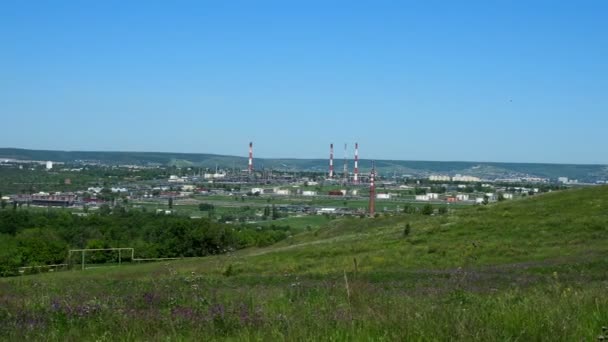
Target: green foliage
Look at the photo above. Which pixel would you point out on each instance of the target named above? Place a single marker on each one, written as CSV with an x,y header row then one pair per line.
x,y
275,212
529,270
408,208
427,209
407,230
420,191
154,236
206,207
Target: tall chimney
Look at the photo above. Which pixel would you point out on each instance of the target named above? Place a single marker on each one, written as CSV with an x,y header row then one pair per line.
x,y
250,157
372,191
331,160
356,174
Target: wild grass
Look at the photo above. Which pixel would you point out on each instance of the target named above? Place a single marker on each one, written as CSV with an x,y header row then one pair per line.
x,y
526,270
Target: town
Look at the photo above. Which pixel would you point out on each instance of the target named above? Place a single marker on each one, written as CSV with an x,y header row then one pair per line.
x,y
244,194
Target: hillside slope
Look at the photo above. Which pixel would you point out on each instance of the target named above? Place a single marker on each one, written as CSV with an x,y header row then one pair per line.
x,y
552,226
533,269
481,169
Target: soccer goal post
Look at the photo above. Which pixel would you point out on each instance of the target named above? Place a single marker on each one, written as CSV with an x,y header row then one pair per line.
x,y
128,251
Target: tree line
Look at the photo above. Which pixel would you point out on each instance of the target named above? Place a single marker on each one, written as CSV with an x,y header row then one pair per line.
x,y
31,238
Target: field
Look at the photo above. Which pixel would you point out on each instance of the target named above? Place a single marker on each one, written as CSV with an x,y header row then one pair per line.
x,y
532,269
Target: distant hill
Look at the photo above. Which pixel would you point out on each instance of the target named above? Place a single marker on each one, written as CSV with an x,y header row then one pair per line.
x,y
584,173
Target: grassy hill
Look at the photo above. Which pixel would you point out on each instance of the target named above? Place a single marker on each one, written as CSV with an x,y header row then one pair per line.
x,y
534,269
481,169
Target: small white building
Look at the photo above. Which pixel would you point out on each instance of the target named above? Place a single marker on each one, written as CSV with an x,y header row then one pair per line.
x,y
282,192
383,196
439,178
462,197
214,175
257,190
94,190
326,211
507,196
309,193
461,178
422,198
188,187
176,179
433,196
49,165
479,200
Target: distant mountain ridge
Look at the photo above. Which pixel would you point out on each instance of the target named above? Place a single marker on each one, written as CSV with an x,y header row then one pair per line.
x,y
491,170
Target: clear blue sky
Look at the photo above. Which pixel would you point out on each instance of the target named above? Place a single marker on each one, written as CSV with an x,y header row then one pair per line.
x,y
427,80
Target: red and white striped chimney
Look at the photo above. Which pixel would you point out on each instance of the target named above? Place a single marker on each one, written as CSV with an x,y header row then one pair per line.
x,y
372,191
250,157
331,160
356,176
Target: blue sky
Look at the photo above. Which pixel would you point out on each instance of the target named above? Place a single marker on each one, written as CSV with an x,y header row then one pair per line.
x,y
519,81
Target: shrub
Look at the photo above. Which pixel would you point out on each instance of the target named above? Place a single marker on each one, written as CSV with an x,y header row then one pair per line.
x,y
407,229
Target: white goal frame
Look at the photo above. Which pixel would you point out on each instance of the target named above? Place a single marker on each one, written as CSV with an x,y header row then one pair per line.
x,y
85,250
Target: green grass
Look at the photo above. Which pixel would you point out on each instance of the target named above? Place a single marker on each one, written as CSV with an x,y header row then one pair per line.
x,y
533,269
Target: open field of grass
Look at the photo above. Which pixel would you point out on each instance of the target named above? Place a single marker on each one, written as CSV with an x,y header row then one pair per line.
x,y
532,269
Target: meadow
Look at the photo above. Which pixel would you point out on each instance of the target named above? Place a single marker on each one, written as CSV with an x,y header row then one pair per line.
x,y
532,269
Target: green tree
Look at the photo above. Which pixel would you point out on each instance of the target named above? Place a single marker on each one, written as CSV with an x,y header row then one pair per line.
x,y
275,212
427,209
104,209
205,207
10,256
407,229
408,209
170,202
420,191
266,212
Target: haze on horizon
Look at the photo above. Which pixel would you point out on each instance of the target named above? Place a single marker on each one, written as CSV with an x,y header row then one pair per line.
x,y
503,81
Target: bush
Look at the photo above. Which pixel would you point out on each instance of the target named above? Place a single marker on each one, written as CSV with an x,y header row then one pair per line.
x,y
427,210
407,229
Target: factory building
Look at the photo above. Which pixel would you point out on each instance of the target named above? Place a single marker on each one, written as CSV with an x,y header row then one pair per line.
x,y
467,179
462,197
439,178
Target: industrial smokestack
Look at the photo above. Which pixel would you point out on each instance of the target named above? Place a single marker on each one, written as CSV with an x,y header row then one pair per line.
x,y
331,160
250,157
345,171
372,191
356,175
